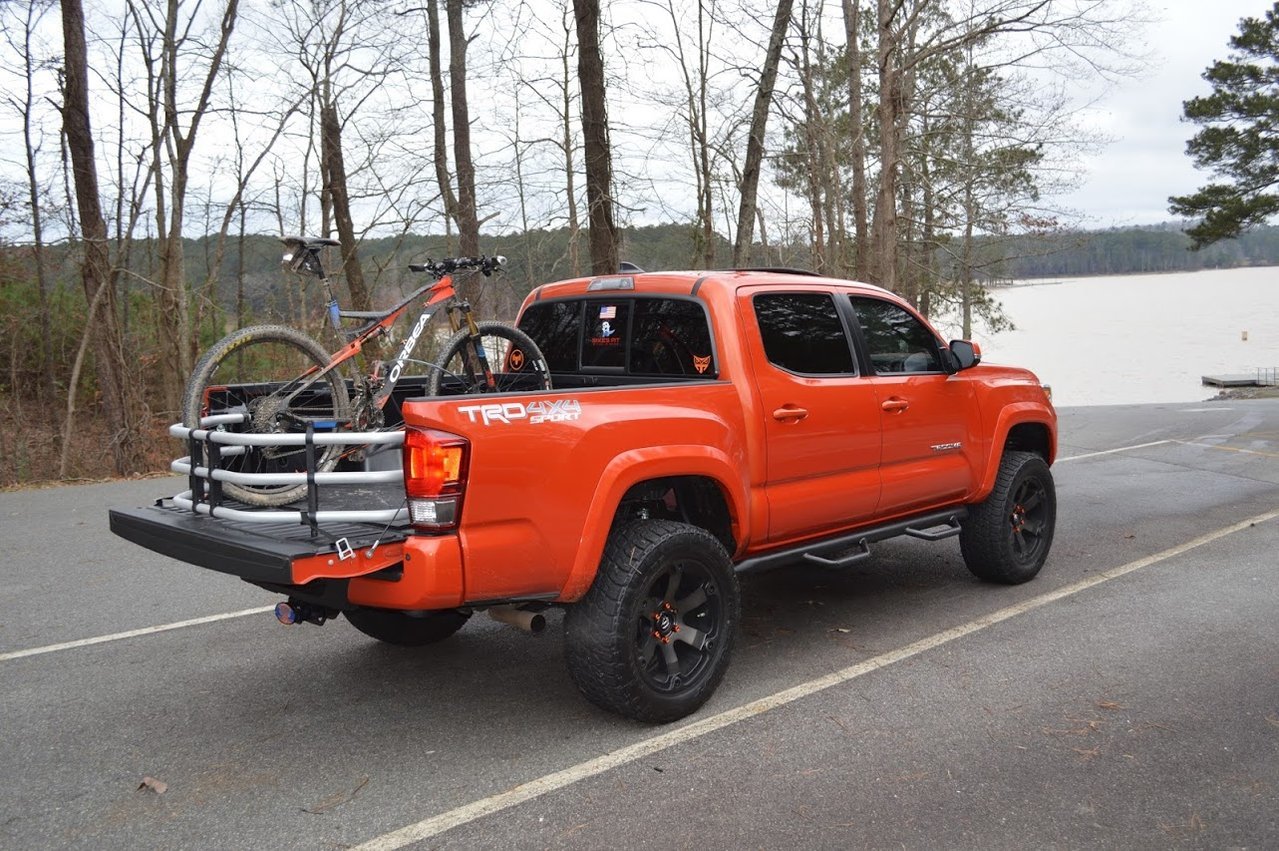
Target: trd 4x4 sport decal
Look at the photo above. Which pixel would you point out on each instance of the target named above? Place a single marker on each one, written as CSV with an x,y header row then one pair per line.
x,y
550,411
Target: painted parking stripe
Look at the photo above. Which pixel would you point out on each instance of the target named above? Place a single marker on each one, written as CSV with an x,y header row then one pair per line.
x,y
1113,451
438,824
133,633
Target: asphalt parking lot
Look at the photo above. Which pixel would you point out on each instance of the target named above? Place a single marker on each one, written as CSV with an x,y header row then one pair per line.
x,y
1128,697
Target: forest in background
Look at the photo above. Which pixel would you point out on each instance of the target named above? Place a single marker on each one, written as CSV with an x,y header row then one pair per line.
x,y
917,144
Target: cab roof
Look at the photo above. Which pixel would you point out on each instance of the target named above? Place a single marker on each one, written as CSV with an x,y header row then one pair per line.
x,y
690,282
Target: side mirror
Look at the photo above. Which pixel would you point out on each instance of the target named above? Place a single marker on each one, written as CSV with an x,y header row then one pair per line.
x,y
964,354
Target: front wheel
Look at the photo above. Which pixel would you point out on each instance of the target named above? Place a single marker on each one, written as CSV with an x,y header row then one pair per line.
x,y
1006,538
268,372
511,362
652,637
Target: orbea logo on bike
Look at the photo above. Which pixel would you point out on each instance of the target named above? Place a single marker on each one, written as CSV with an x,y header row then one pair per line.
x,y
408,347
554,411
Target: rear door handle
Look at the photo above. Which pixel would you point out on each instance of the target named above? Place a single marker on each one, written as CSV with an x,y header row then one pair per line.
x,y
789,413
895,405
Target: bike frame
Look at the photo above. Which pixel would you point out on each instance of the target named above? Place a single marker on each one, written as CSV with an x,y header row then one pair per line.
x,y
439,294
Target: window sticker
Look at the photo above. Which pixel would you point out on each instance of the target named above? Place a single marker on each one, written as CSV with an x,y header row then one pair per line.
x,y
608,311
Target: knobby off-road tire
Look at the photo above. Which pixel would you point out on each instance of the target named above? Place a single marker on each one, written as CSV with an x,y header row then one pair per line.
x,y
405,630
652,637
269,354
516,361
1006,538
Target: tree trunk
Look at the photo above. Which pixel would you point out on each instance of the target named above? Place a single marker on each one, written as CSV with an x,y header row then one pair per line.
x,y
599,166
706,201
468,228
437,111
47,388
749,188
335,171
815,170
179,143
852,28
570,178
468,225
119,398
884,268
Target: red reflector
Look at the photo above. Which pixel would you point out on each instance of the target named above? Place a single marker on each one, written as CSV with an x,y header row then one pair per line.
x,y
434,463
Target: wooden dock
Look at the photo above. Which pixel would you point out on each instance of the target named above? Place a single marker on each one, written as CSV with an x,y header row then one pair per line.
x,y
1258,378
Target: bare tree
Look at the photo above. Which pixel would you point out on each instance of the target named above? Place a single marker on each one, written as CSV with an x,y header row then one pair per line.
x,y
26,108
175,124
438,126
857,129
599,162
749,184
121,406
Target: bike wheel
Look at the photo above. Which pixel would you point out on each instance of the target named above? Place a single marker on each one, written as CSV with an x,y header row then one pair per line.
x,y
263,371
515,360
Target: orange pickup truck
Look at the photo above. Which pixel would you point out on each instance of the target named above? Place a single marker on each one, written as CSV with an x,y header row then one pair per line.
x,y
701,425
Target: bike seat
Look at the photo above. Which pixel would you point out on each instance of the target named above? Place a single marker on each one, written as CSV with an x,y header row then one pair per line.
x,y
308,243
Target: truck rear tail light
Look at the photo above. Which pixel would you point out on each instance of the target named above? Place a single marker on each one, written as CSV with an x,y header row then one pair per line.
x,y
435,466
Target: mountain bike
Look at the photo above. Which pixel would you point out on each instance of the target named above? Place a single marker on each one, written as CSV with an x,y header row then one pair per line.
x,y
282,381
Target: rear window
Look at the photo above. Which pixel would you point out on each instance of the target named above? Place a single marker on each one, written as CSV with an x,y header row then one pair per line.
x,y
802,333
634,336
555,327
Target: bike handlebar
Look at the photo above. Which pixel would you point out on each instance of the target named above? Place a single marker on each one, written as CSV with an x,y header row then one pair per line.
x,y
440,268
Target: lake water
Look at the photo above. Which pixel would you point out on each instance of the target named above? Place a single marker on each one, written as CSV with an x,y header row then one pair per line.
x,y
1139,338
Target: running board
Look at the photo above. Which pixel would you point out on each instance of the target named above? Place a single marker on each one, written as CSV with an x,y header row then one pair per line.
x,y
934,526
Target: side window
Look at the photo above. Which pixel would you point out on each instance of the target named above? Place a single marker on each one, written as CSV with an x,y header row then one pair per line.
x,y
895,340
555,327
802,333
670,337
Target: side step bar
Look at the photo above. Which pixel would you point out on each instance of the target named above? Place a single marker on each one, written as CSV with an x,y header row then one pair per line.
x,y
934,526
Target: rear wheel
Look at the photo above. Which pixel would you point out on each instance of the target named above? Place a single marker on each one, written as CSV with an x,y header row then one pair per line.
x,y
652,637
405,629
1006,538
264,371
517,364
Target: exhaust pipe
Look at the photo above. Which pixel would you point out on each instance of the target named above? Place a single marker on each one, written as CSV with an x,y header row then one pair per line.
x,y
531,622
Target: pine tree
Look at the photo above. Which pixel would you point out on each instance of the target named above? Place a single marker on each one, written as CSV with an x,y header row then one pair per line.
x,y
1239,141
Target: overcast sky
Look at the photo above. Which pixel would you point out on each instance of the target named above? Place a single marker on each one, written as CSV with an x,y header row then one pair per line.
x,y
1129,182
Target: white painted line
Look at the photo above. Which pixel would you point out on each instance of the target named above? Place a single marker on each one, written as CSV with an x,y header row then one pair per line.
x,y
436,825
133,633
1113,451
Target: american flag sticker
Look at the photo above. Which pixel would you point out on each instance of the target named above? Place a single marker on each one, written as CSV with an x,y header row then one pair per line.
x,y
608,312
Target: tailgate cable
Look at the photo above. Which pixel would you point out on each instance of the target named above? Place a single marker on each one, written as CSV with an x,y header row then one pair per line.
x,y
377,542
345,551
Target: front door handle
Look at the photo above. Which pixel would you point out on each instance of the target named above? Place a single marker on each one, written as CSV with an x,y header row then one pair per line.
x,y
895,405
789,413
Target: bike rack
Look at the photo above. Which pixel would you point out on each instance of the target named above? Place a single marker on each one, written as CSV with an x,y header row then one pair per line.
x,y
208,446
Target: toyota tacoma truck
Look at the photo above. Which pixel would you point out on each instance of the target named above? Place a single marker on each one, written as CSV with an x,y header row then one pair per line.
x,y
701,426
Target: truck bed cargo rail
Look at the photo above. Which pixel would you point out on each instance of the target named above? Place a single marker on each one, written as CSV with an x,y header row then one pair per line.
x,y
208,446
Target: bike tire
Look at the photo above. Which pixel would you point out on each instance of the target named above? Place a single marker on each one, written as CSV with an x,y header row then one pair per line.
x,y
518,364
253,367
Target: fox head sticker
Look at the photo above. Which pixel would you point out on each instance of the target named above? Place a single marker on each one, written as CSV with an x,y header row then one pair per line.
x,y
701,364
